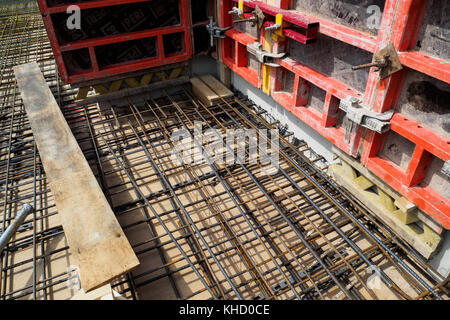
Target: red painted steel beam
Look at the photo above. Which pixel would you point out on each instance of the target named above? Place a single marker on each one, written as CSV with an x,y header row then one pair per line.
x,y
313,118
351,36
400,25
330,112
418,166
127,67
297,36
240,37
238,62
310,35
324,122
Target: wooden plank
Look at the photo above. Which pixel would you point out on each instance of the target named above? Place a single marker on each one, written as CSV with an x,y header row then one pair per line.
x,y
210,92
95,237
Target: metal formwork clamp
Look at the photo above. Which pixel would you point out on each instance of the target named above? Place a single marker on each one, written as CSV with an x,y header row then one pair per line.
x,y
264,57
360,114
215,31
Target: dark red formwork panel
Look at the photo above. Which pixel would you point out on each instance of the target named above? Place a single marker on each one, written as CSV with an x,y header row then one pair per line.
x,y
116,36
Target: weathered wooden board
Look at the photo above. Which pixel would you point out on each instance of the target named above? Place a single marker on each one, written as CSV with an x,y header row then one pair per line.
x,y
211,92
95,237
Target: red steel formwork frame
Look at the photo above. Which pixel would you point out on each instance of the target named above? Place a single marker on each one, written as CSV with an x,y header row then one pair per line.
x,y
98,73
400,25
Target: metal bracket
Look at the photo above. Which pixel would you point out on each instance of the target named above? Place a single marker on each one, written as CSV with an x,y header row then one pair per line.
x,y
215,31
386,62
359,114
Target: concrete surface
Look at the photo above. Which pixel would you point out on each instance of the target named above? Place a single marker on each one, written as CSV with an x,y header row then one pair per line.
x,y
436,179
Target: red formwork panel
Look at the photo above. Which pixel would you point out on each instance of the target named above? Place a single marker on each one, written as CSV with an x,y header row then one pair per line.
x,y
235,56
117,36
400,26
234,52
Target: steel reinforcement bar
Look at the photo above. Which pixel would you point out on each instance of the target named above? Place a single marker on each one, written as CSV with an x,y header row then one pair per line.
x,y
202,230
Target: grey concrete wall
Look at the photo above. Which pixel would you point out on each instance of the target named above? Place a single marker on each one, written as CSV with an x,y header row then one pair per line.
x,y
333,58
434,35
426,100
